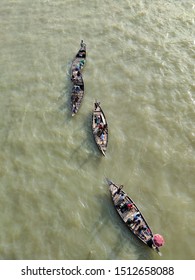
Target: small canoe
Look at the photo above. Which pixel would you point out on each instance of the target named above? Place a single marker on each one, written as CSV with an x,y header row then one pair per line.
x,y
100,128
77,79
132,217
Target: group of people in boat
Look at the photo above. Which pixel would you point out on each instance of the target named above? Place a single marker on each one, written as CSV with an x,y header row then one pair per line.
x,y
76,78
136,222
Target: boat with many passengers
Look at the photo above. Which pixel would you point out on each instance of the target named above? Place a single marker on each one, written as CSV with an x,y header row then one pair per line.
x,y
77,79
133,218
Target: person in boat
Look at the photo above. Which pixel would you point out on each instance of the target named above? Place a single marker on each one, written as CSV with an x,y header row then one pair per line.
x,y
127,206
75,75
105,126
74,109
80,64
141,231
135,222
136,217
98,119
156,241
100,126
101,129
120,199
118,190
102,137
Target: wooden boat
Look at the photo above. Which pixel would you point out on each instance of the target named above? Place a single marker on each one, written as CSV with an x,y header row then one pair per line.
x,y
127,210
100,128
77,79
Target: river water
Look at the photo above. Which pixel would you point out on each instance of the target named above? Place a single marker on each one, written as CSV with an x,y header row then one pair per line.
x,y
54,201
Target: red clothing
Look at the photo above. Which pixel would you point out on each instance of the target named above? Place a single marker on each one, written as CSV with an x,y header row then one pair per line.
x,y
130,205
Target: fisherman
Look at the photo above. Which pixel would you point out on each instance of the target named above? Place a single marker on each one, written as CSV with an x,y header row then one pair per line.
x,y
76,88
136,220
76,99
150,243
129,222
75,75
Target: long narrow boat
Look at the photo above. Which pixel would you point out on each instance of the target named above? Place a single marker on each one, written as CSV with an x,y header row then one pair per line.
x,y
100,128
133,218
77,79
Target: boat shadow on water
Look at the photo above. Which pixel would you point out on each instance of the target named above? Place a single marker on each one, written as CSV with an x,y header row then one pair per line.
x,y
108,217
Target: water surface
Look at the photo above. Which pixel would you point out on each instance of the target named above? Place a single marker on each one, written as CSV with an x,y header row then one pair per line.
x,y
54,202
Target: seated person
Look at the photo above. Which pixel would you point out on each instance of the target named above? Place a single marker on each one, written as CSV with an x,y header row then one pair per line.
x,y
102,137
150,243
126,206
141,231
136,220
98,119
120,200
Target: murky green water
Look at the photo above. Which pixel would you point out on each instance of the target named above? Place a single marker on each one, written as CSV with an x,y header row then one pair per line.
x,y
54,202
